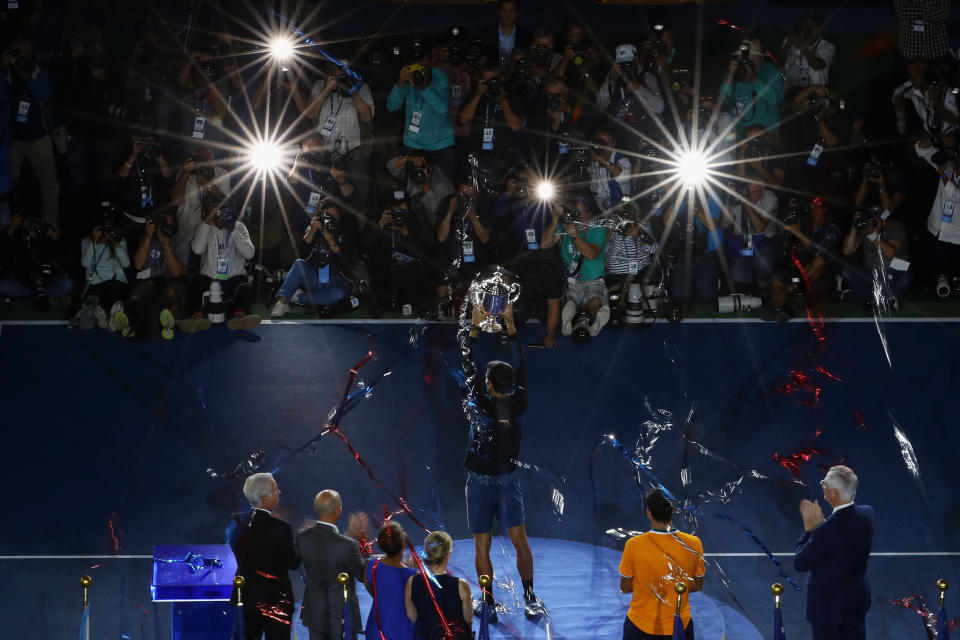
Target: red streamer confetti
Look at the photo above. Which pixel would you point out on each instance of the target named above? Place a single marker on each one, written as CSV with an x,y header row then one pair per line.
x,y
793,461
279,611
860,420
918,604
800,381
821,369
366,548
115,534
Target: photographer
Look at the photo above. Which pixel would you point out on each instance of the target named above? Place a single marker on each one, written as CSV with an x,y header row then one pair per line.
x,y
426,186
752,88
315,175
943,221
629,250
397,268
542,52
928,92
424,92
922,31
877,238
328,253
158,296
224,246
453,62
754,159
630,93
579,61
695,239
463,239
881,184
104,257
582,250
197,175
144,177
812,241
493,122
533,234
202,107
341,111
713,129
751,216
27,268
610,171
807,56
31,91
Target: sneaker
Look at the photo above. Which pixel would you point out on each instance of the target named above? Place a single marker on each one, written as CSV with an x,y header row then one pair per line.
x,y
603,317
566,317
491,611
846,293
279,310
532,605
242,322
895,303
769,314
197,323
101,317
167,322
114,310
120,322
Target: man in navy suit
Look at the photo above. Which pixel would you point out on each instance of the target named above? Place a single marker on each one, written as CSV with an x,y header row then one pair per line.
x,y
835,550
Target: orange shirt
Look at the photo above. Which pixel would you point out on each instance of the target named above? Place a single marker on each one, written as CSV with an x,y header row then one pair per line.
x,y
656,561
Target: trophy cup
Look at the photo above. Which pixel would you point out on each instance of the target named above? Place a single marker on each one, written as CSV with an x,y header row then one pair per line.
x,y
492,292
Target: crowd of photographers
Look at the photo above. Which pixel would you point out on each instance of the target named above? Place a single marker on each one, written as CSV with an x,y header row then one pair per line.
x,y
419,165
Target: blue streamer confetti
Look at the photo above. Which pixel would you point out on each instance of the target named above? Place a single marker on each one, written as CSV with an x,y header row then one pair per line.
x,y
763,547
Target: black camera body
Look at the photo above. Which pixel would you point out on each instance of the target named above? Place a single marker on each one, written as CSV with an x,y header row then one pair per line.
x,y
203,169
106,226
873,170
36,227
796,209
418,174
554,103
339,161
399,217
754,149
627,70
541,55
311,158
579,57
329,222
567,215
865,221
162,226
744,65
493,89
943,154
818,104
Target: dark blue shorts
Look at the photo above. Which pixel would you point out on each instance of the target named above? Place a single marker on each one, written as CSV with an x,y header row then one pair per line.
x,y
489,496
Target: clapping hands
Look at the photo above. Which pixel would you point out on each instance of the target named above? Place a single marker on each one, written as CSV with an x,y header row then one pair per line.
x,y
811,513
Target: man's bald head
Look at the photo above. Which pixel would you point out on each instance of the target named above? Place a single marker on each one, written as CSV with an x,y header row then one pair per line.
x,y
328,505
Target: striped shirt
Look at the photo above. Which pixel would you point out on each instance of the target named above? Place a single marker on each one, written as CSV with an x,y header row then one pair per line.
x,y
621,250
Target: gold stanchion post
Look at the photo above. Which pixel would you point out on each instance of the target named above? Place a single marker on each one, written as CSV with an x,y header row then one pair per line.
x,y
777,590
344,580
942,586
680,588
239,582
85,582
485,582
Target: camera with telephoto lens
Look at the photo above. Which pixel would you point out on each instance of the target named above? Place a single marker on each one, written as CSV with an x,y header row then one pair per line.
x,y
162,226
36,227
681,76
455,55
399,217
868,219
580,160
339,161
106,226
579,57
554,102
541,55
345,83
313,159
328,220
527,78
873,170
943,153
202,169
568,215
581,327
796,208
493,88
627,71
744,65
418,75
754,149
818,104
418,174
474,53
416,50
659,46
226,214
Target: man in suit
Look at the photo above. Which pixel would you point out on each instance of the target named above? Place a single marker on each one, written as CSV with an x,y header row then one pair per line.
x,y
507,37
264,549
835,550
326,553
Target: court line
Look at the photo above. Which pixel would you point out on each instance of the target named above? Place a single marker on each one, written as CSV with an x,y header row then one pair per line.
x,y
752,554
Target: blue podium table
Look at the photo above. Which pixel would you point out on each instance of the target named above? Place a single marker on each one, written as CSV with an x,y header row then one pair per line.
x,y
197,580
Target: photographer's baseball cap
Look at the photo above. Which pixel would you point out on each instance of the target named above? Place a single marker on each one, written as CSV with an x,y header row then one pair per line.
x,y
625,53
756,47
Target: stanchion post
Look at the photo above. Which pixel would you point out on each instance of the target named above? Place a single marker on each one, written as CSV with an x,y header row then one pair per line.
x,y
344,580
777,590
86,581
680,588
942,586
239,582
485,582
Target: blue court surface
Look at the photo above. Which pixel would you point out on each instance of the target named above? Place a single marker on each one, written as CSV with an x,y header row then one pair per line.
x,y
113,447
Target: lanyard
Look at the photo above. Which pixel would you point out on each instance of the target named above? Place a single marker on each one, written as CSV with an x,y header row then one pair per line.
x,y
418,97
222,248
339,106
93,267
200,103
626,247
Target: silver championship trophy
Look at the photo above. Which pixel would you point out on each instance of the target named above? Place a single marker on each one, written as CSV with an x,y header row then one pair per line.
x,y
492,291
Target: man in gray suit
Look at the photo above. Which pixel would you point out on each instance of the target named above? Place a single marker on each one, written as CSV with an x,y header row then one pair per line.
x,y
325,554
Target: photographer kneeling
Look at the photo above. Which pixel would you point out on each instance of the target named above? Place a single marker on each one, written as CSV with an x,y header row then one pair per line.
x,y
463,238
582,250
158,286
27,268
330,247
813,237
224,246
104,256
877,238
396,262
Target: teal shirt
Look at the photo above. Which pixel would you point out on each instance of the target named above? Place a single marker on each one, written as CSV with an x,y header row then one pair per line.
x,y
590,269
436,126
737,99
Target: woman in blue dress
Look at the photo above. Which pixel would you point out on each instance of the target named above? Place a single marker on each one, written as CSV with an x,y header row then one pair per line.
x,y
386,580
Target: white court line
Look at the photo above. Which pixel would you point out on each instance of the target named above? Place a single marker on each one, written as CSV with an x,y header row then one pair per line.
x,y
887,554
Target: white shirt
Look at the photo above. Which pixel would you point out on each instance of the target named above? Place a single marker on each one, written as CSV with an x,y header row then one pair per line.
x,y
924,108
210,243
842,506
189,215
599,181
506,45
346,124
797,72
948,191
766,208
648,93
329,524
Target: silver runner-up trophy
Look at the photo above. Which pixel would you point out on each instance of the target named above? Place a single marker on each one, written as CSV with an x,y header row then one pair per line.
x,y
492,291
